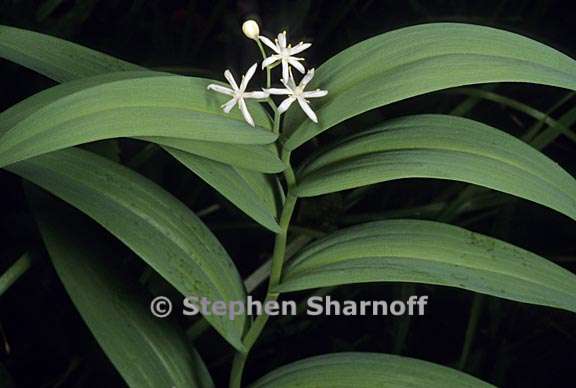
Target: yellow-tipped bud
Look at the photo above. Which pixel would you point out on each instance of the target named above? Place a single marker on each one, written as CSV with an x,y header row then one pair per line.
x,y
251,29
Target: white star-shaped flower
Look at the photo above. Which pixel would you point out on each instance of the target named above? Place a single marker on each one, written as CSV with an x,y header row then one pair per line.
x,y
297,93
284,54
238,94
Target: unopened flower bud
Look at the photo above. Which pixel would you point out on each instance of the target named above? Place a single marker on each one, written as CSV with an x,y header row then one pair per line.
x,y
250,29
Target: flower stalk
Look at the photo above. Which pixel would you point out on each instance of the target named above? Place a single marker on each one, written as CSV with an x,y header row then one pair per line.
x,y
268,68
278,259
259,323
283,55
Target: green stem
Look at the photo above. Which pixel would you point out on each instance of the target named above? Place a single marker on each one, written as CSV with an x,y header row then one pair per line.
x,y
263,52
288,173
278,257
14,272
281,239
276,127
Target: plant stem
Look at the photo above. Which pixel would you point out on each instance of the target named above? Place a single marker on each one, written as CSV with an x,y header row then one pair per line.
x,y
281,239
278,257
14,272
276,128
288,173
277,265
264,57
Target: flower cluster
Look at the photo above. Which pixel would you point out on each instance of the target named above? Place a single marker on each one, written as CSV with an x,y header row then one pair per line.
x,y
284,55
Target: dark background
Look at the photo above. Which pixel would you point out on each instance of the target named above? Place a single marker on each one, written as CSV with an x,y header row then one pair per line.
x,y
43,341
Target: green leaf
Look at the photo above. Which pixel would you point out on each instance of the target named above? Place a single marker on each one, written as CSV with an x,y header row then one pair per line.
x,y
250,191
430,253
146,351
254,157
16,270
365,370
92,62
262,158
421,59
154,224
16,113
162,105
65,61
444,147
56,58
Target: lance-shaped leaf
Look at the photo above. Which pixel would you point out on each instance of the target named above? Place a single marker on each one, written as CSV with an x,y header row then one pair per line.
x,y
262,158
431,253
146,351
56,58
169,106
154,224
366,370
252,192
444,147
254,157
92,64
65,61
420,59
17,112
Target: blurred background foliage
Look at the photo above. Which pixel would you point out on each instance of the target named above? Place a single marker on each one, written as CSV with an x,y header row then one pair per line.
x,y
43,341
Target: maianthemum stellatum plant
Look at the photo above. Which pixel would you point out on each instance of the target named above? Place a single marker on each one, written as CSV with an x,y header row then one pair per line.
x,y
240,142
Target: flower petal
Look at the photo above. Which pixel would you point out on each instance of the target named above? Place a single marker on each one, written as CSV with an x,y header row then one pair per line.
x,y
257,94
278,91
270,60
315,93
245,113
290,83
299,48
297,65
221,89
306,108
227,107
285,74
269,43
230,79
247,77
307,78
283,107
282,39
